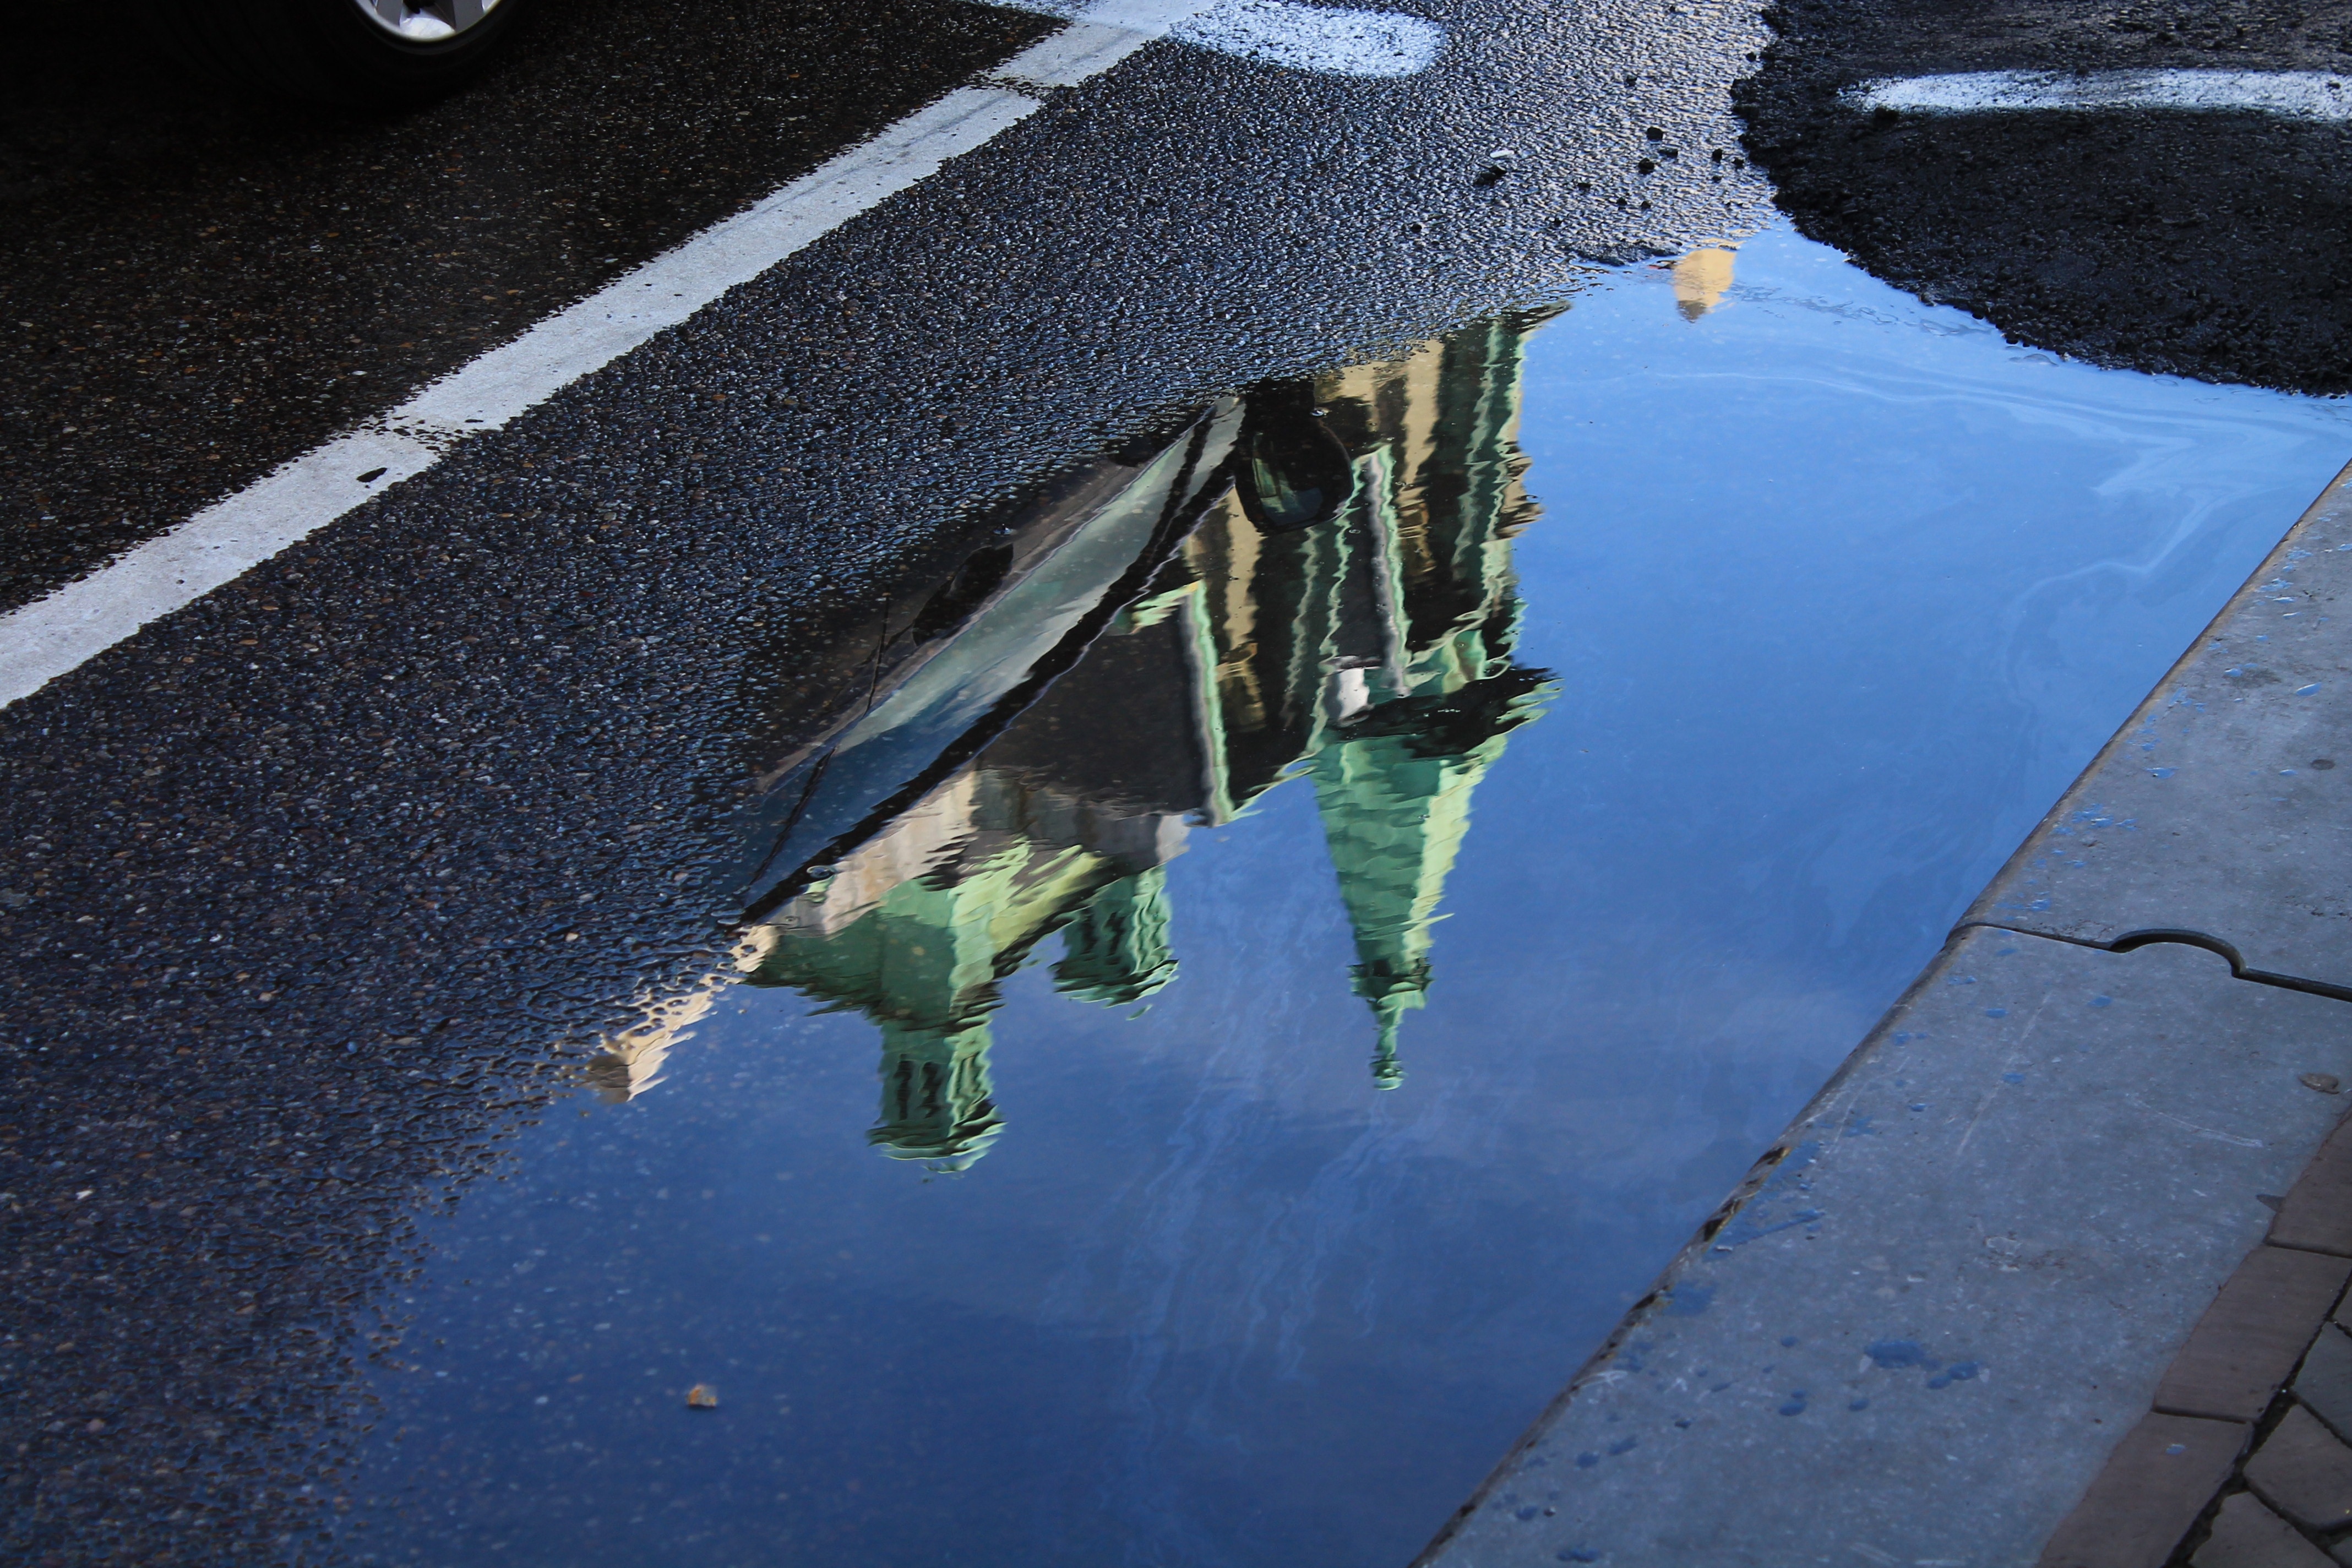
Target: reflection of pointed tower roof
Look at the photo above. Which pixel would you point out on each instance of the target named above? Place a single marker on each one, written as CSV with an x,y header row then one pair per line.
x,y
1394,822
1395,802
1394,773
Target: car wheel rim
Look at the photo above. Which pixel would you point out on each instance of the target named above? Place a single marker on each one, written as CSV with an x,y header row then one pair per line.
x,y
426,21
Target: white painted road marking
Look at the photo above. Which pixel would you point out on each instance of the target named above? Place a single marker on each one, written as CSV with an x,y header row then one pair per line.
x,y
2291,95
1316,38
1329,39
64,630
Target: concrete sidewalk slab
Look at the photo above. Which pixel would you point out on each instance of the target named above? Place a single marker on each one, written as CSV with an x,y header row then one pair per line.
x,y
2222,808
1949,1293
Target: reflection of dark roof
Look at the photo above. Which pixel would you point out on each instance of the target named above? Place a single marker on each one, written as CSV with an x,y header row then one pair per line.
x,y
1120,731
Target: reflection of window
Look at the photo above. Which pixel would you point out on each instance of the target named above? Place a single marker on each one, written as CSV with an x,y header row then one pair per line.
x,y
1290,471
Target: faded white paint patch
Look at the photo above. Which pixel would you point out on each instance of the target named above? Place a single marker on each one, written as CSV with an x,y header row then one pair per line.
x,y
1325,39
1330,40
2291,95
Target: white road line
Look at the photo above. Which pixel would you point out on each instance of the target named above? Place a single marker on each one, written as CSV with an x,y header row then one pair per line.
x,y
1331,39
59,633
2292,95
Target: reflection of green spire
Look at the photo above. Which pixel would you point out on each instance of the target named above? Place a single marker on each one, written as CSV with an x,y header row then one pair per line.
x,y
1395,802
935,1100
1394,822
1117,951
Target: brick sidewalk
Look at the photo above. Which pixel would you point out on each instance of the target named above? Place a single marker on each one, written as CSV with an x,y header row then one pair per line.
x,y
2244,1459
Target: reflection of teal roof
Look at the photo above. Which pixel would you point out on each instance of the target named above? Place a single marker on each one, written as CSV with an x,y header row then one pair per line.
x,y
917,928
1117,950
937,1102
1395,805
923,962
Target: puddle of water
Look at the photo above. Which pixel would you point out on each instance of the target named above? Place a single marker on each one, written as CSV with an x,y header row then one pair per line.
x,y
1304,1028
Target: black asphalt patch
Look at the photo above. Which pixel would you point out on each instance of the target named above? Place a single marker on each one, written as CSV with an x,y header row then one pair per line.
x,y
200,288
2204,245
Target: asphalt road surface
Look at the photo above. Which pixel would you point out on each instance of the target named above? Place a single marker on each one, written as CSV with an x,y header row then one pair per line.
x,y
302,879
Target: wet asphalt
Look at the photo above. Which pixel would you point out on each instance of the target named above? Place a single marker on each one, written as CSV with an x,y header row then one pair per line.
x,y
316,888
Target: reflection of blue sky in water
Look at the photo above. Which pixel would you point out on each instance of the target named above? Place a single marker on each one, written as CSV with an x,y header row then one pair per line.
x,y
1840,592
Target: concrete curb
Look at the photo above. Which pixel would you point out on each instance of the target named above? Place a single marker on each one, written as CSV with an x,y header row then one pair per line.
x,y
1946,1299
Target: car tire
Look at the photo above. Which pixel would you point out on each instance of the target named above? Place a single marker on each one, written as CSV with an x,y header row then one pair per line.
x,y
348,53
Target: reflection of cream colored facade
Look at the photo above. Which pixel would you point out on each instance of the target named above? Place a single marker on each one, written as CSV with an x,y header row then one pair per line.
x,y
1372,652
1702,278
629,1062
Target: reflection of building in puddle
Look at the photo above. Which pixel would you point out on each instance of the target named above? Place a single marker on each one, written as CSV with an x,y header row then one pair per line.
x,y
917,928
629,1062
1369,651
1702,278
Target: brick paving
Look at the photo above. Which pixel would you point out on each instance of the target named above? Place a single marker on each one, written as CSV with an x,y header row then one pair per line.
x,y
2244,1459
